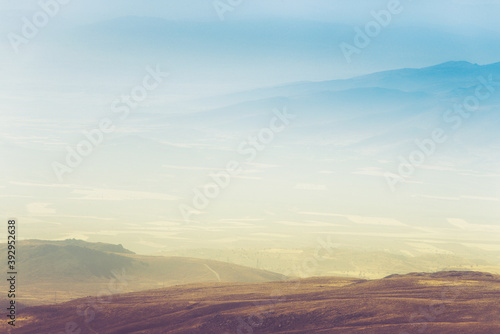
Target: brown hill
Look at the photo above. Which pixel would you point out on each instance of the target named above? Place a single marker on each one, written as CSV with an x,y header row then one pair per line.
x,y
51,272
446,302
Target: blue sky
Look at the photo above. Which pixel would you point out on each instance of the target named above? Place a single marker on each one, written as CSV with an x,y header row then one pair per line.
x,y
424,34
480,13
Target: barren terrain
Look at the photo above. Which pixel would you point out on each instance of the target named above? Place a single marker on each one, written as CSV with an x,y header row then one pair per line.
x,y
444,302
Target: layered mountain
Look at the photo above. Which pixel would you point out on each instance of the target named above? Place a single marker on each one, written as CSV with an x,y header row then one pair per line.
x,y
345,151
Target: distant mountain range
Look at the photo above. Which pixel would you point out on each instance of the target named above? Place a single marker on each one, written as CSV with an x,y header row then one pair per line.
x,y
351,262
439,79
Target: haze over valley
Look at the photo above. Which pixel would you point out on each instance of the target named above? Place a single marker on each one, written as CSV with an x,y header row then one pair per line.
x,y
177,166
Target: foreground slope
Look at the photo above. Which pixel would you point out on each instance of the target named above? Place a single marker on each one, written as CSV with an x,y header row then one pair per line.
x,y
444,302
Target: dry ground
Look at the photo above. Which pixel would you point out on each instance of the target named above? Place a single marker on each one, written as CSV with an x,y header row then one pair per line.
x,y
446,302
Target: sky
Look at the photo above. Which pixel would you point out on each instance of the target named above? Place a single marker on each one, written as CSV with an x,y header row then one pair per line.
x,y
323,172
479,13
414,25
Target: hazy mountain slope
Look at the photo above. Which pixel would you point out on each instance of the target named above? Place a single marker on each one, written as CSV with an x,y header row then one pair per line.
x,y
382,113
78,263
61,271
100,246
342,261
440,79
444,303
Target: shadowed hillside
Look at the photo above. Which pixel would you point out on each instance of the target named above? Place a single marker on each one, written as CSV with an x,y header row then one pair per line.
x,y
60,271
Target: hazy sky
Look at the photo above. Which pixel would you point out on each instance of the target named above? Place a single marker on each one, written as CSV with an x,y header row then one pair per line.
x,y
422,27
480,13
325,173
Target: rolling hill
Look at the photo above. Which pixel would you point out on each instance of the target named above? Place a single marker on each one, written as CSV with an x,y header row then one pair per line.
x,y
59,271
443,302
